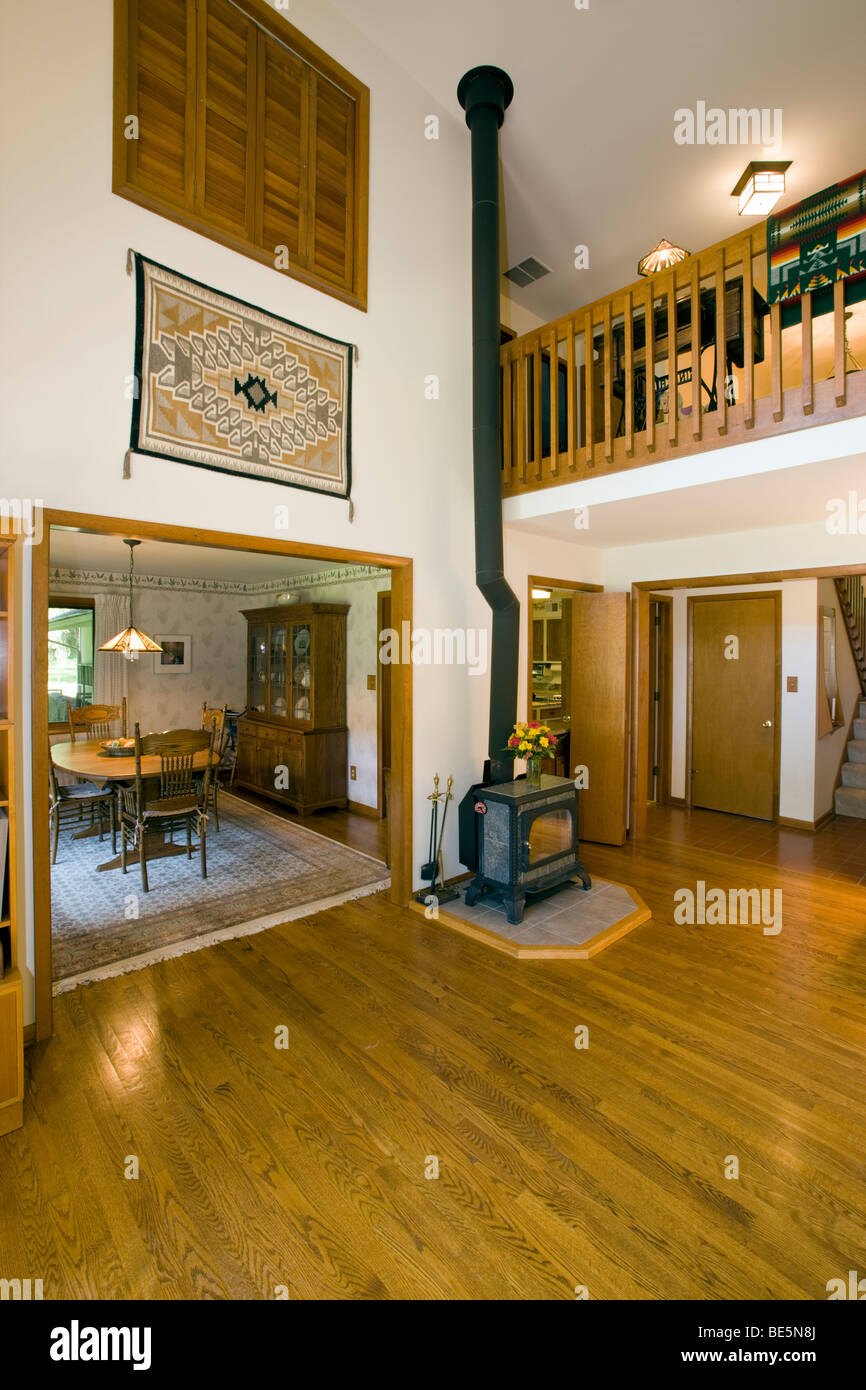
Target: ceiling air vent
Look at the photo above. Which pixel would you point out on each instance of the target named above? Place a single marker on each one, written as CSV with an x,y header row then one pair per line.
x,y
527,272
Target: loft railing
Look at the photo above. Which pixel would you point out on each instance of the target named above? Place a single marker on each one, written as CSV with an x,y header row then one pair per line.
x,y
573,411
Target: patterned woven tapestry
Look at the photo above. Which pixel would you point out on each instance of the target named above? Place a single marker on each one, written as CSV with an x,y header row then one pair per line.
x,y
818,241
228,386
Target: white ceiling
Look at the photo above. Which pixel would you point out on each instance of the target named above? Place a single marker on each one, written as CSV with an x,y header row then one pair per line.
x,y
787,497
588,149
90,551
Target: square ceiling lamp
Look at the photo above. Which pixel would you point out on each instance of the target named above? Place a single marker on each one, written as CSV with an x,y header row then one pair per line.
x,y
662,257
760,187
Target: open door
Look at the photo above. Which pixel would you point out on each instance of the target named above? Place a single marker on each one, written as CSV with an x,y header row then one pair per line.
x,y
600,667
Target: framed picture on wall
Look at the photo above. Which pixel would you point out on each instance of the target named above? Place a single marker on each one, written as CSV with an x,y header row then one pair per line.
x,y
175,659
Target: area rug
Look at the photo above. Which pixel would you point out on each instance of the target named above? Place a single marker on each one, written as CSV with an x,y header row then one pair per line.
x,y
818,241
262,870
223,384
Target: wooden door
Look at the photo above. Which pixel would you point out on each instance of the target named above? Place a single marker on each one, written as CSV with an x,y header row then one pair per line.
x,y
383,682
735,658
600,683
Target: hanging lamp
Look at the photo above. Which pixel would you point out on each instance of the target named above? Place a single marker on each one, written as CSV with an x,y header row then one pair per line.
x,y
131,640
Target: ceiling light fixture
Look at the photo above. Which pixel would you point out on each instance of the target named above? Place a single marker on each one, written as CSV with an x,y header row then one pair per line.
x,y
541,593
760,186
662,257
131,641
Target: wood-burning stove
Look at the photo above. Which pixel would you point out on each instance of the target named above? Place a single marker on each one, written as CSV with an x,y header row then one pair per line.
x,y
526,842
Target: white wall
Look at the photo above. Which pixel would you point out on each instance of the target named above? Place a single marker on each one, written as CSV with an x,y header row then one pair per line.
x,y
65,417
829,750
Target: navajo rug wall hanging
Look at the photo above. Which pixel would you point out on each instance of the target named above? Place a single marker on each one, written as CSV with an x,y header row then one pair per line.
x,y
228,386
818,241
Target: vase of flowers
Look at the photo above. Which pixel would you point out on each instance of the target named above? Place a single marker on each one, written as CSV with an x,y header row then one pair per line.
x,y
534,742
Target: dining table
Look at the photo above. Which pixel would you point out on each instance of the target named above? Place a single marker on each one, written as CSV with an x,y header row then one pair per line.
x,y
88,759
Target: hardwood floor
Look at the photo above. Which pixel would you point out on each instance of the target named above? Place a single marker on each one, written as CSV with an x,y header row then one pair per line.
x,y
558,1166
837,850
346,827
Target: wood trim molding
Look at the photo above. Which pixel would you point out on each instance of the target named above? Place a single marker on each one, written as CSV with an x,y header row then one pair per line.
x,y
358,808
401,699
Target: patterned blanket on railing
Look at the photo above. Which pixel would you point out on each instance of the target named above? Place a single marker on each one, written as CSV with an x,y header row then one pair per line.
x,y
224,385
818,241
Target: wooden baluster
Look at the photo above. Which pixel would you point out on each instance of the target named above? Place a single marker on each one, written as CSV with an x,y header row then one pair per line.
x,y
721,346
650,339
607,347
554,404
839,341
536,412
808,364
571,382
507,410
748,338
589,391
671,292
628,353
522,374
776,360
697,403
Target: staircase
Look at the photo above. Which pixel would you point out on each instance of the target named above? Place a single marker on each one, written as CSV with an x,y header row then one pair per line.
x,y
850,799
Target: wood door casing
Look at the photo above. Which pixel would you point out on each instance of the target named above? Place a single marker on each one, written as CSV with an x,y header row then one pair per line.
x,y
600,681
733,745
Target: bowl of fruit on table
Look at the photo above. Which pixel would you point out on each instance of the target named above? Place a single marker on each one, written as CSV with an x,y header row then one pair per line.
x,y
119,747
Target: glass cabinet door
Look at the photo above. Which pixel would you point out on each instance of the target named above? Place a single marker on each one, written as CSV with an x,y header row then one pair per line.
x,y
257,670
301,668
277,688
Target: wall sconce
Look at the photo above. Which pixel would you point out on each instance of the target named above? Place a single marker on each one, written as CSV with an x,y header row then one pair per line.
x,y
760,187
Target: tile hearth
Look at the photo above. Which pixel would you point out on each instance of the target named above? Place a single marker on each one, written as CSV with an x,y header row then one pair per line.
x,y
570,922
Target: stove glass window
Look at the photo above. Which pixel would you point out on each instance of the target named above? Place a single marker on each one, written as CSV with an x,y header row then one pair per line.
x,y
550,833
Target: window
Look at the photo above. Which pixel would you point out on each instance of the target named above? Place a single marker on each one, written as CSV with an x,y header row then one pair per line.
x,y
229,121
70,659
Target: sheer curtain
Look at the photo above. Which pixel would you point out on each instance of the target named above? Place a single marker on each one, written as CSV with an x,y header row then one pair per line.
x,y
110,671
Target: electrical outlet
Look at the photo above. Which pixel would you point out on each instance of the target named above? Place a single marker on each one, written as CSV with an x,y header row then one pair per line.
x,y
793,685
371,682
353,773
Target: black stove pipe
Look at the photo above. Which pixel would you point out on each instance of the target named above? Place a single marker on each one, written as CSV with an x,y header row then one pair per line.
x,y
485,93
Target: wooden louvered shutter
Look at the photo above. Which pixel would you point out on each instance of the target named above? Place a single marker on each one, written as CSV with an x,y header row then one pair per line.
x,y
247,133
283,136
226,91
331,182
158,88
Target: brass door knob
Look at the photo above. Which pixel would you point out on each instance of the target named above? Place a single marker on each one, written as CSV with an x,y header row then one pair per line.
x,y
767,724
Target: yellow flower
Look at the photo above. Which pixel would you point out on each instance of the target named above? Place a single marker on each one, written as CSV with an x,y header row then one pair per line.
x,y
544,742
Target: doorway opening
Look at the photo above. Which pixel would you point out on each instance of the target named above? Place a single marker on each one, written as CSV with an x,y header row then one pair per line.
x,y
299,733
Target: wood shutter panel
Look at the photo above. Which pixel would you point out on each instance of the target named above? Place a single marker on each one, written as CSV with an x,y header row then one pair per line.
x,y
226,103
283,137
160,93
248,133
331,181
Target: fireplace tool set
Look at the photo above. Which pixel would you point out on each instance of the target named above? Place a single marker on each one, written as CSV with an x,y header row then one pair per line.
x,y
433,871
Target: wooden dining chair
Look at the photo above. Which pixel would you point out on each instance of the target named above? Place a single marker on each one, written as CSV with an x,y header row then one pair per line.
x,y
95,721
214,716
178,801
68,802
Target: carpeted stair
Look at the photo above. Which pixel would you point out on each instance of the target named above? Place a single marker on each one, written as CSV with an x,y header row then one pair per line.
x,y
851,796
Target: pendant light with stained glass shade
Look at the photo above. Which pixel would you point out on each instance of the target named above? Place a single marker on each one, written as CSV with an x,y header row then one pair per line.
x,y
131,640
662,257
